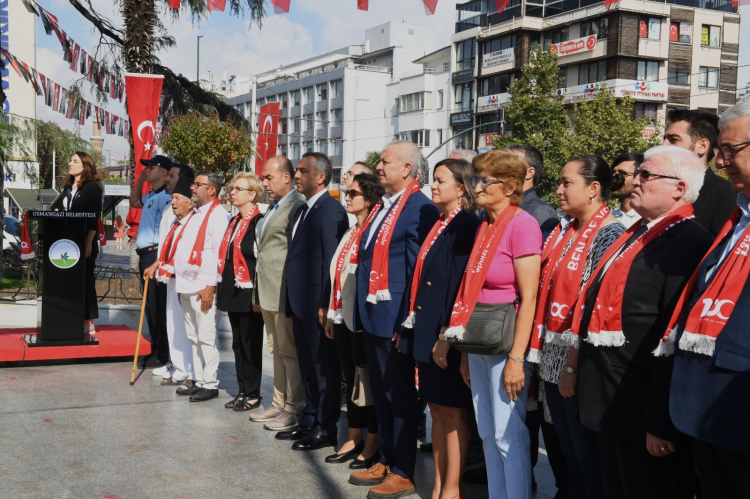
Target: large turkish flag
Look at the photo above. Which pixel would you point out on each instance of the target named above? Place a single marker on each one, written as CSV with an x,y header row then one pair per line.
x,y
268,135
144,94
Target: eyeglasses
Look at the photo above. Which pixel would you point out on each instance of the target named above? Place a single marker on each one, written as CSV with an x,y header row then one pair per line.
x,y
485,182
646,175
726,150
198,184
353,193
238,189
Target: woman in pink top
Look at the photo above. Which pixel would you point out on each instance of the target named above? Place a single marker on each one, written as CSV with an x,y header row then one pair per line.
x,y
499,383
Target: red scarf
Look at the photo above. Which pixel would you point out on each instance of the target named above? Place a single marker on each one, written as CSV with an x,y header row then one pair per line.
x,y
482,253
165,272
354,260
378,289
335,310
560,283
102,234
710,314
605,326
435,232
27,250
241,273
196,256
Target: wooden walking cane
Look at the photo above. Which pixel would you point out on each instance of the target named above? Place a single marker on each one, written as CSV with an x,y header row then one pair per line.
x,y
140,327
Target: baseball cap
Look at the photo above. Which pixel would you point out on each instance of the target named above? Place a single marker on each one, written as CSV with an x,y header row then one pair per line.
x,y
160,161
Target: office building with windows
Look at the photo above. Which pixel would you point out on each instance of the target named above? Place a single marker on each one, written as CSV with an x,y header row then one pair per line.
x,y
335,103
665,54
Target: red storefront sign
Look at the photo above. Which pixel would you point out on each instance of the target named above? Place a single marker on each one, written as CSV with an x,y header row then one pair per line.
x,y
576,46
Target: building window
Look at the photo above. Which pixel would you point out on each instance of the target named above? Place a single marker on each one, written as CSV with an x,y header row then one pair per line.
x,y
680,32
648,71
592,72
415,102
307,122
335,148
336,177
465,54
708,77
293,151
335,89
490,118
439,136
307,147
464,97
439,99
498,84
284,101
323,91
307,95
419,137
463,141
710,36
650,27
321,145
294,98
335,117
321,120
295,124
283,126
502,43
646,110
556,36
678,75
598,27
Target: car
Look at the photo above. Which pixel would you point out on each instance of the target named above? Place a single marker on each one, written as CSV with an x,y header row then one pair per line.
x,y
11,232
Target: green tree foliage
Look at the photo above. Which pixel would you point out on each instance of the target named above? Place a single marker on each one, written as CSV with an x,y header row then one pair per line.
x,y
372,158
605,127
536,116
207,143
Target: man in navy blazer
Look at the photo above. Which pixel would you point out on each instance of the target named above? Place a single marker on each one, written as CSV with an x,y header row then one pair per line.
x,y
709,393
392,372
317,228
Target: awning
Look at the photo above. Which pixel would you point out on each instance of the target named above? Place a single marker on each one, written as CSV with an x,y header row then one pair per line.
x,y
30,199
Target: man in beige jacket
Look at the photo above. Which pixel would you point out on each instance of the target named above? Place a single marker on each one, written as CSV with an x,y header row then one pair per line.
x,y
270,292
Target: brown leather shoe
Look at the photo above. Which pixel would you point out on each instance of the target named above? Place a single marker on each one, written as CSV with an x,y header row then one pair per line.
x,y
372,476
392,487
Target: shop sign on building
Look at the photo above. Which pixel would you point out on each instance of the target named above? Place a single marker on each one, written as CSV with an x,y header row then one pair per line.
x,y
498,57
576,46
494,102
462,118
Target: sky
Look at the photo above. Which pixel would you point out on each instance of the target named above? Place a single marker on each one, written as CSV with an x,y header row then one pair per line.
x,y
233,45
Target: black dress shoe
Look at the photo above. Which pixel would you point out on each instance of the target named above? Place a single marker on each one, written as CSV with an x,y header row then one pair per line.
x,y
366,464
346,456
315,440
426,447
205,394
231,403
190,391
297,433
244,404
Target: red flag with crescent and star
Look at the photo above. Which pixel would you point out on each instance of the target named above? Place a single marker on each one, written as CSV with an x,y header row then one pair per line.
x,y
268,135
144,95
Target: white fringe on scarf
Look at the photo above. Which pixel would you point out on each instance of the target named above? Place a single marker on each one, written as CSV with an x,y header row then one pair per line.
x,y
194,269
534,356
455,332
243,285
382,295
666,345
568,338
698,343
351,268
337,316
606,339
410,321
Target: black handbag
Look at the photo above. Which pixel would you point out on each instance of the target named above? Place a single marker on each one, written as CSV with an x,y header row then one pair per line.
x,y
489,331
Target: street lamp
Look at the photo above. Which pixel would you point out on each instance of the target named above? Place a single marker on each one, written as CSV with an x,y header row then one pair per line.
x,y
198,62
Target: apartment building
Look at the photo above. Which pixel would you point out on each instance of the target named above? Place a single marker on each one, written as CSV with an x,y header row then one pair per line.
x,y
336,103
661,54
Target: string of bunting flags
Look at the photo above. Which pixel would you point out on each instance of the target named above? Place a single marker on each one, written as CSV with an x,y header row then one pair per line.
x,y
77,58
63,101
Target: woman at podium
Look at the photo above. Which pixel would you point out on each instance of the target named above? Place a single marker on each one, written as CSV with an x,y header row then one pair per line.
x,y
84,194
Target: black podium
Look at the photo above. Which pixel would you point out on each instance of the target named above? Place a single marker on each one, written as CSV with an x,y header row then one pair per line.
x,y
63,278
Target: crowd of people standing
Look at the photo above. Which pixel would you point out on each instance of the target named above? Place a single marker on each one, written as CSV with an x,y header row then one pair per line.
x,y
621,333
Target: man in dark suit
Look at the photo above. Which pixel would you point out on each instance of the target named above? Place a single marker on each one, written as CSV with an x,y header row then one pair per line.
x,y
622,386
698,131
709,393
392,372
544,214
316,230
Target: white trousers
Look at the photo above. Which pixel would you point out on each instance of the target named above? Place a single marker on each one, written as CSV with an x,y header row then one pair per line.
x,y
180,349
201,330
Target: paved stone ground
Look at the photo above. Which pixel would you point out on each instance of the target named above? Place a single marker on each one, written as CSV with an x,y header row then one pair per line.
x,y
80,431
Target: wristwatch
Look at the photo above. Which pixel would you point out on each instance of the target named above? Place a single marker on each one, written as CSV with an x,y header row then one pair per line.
x,y
570,369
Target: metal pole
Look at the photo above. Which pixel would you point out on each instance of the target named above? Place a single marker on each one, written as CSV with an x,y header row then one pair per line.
x,y
252,110
461,133
198,61
54,170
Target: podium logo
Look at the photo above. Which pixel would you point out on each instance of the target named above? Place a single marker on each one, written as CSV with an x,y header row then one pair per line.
x,y
64,253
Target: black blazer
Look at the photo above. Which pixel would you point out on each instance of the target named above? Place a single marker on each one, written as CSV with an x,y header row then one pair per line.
x,y
442,272
716,201
623,391
308,262
87,199
230,298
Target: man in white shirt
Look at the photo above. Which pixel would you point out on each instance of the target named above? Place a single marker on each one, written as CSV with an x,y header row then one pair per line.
x,y
180,369
197,286
624,168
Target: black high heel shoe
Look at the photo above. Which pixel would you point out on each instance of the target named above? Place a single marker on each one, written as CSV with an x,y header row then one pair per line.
x,y
346,456
366,464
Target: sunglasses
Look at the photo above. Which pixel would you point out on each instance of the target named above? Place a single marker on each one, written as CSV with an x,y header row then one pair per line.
x,y
646,175
353,193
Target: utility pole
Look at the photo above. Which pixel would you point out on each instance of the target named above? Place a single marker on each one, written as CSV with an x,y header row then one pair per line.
x,y
198,62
